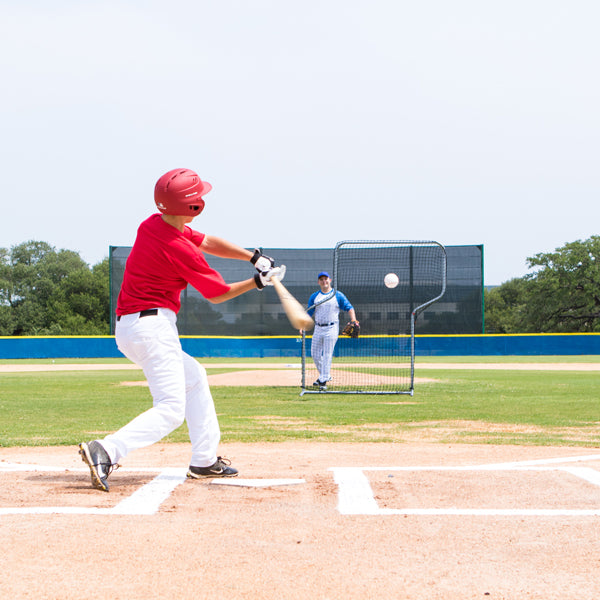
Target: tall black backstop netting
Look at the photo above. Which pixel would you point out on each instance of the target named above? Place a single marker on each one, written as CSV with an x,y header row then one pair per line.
x,y
259,313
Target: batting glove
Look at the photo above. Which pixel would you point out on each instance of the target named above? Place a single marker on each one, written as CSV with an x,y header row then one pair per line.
x,y
265,277
261,262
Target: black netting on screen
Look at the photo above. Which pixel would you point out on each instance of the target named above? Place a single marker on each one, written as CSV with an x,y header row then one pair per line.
x,y
417,268
460,311
387,282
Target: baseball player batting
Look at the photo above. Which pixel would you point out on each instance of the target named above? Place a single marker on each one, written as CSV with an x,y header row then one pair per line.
x,y
167,256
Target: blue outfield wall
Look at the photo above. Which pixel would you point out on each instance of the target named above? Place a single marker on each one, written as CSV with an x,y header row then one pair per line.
x,y
546,344
290,346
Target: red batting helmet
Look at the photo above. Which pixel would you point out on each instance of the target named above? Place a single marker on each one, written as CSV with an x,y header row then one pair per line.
x,y
179,192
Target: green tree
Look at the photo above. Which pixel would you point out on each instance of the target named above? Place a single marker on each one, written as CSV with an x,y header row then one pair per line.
x,y
564,291
506,307
561,295
49,292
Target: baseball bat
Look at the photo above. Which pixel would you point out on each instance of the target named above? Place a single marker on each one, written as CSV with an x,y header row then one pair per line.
x,y
295,312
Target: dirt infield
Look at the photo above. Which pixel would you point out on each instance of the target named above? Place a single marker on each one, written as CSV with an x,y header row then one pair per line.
x,y
280,374
305,520
459,522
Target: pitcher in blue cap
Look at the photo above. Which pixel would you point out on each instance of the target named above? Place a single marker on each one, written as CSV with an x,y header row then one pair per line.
x,y
325,306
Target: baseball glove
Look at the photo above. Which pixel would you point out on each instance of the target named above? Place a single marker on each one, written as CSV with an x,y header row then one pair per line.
x,y
352,329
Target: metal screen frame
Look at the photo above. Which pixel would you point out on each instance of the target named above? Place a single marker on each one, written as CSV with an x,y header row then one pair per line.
x,y
413,316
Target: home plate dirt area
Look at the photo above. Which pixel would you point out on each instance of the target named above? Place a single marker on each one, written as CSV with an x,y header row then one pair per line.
x,y
305,520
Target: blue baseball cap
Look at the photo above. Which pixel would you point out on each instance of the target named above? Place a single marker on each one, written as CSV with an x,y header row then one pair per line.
x,y
323,274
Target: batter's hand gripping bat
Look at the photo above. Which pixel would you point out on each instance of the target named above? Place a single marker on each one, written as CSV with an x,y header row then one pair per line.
x,y
295,312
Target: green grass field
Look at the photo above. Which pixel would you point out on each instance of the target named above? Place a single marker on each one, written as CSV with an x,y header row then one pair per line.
x,y
461,406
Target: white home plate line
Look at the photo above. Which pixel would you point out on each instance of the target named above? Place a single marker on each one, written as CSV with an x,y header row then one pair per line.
x,y
355,495
256,482
492,512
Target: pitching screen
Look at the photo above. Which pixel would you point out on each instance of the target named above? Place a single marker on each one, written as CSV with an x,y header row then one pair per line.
x,y
389,284
387,281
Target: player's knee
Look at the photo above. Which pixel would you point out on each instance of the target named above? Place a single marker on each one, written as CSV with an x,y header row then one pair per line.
x,y
173,414
195,376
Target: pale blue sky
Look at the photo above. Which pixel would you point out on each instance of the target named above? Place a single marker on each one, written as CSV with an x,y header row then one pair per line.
x,y
465,122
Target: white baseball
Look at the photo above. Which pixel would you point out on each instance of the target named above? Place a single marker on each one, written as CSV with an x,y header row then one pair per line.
x,y
391,280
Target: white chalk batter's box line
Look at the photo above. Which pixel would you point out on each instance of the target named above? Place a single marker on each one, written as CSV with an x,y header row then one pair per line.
x,y
144,501
355,496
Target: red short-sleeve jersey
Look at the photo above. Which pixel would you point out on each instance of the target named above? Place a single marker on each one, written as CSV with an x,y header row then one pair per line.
x,y
162,262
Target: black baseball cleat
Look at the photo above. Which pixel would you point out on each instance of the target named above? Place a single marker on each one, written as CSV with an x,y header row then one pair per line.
x,y
96,458
221,468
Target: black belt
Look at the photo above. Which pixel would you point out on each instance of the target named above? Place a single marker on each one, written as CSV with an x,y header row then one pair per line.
x,y
325,324
149,312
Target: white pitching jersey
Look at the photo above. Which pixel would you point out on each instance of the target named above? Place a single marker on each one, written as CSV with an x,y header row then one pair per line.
x,y
328,312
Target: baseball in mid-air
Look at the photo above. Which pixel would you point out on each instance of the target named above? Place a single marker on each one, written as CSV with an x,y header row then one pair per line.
x,y
391,280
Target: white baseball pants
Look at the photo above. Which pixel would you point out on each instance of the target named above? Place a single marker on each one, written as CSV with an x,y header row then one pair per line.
x,y
179,388
322,347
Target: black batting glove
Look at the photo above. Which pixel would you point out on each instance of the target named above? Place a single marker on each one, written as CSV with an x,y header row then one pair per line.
x,y
261,262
